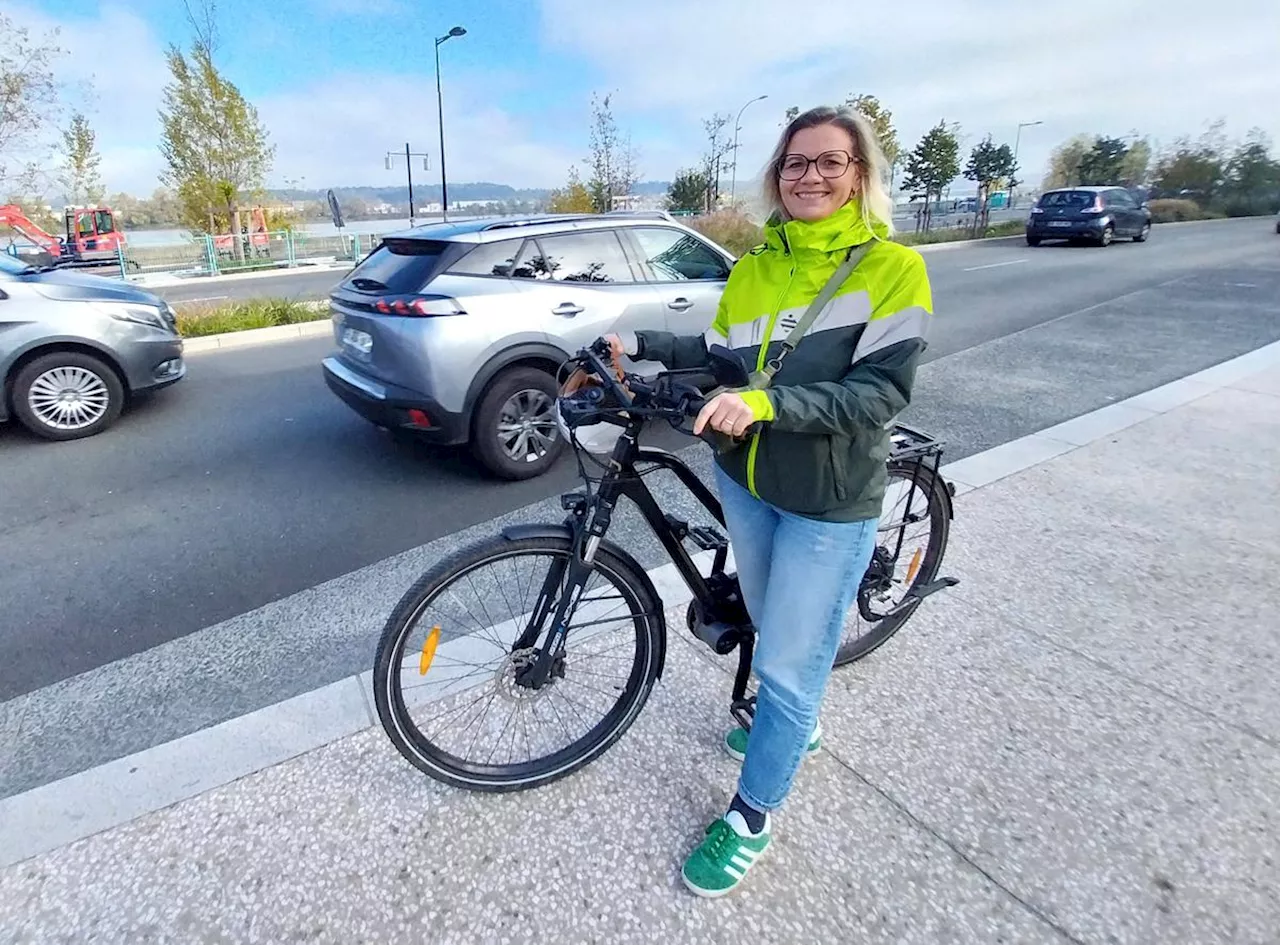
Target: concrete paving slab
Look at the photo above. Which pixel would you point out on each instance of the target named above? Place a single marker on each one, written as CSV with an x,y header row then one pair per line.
x,y
351,844
994,464
1163,569
1120,815
1096,424
1263,382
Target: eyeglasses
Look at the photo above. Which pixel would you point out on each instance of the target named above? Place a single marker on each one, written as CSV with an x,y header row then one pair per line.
x,y
830,164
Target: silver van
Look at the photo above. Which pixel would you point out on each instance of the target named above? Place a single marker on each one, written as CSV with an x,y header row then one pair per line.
x,y
455,332
75,347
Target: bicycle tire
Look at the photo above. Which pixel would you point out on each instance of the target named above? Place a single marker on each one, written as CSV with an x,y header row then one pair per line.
x,y
851,651
645,611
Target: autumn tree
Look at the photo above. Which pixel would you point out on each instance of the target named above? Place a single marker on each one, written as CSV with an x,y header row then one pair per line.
x,y
990,166
719,145
28,103
612,163
882,121
215,147
1064,162
932,165
81,177
574,197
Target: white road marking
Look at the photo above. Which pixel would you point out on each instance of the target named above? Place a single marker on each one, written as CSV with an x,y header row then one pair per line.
x,y
1243,285
205,298
1011,262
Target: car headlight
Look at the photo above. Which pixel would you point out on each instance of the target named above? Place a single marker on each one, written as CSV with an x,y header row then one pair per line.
x,y
139,313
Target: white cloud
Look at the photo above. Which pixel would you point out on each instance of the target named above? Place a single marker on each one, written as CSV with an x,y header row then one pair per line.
x,y
1163,68
114,71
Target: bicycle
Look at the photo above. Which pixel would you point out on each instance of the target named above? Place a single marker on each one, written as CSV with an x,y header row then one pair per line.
x,y
585,579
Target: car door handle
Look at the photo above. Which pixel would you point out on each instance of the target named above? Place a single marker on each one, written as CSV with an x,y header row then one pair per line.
x,y
680,304
567,309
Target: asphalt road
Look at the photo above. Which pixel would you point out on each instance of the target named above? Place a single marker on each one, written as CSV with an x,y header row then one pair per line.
x,y
289,283
250,481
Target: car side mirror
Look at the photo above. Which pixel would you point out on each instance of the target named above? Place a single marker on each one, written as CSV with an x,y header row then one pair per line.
x,y
727,367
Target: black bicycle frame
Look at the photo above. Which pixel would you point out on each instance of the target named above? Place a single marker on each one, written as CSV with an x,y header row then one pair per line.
x,y
589,520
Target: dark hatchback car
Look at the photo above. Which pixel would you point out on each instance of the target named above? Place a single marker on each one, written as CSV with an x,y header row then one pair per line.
x,y
1096,214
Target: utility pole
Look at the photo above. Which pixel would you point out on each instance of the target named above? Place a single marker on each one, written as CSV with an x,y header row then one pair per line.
x,y
444,183
408,166
733,181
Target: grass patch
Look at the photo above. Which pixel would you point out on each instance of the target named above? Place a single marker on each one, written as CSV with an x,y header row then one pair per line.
x,y
956,234
1180,211
195,321
732,229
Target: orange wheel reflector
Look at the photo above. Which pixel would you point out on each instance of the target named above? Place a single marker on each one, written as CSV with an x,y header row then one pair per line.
x,y
429,650
911,571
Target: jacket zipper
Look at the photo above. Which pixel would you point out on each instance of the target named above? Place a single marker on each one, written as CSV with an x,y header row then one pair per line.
x,y
760,362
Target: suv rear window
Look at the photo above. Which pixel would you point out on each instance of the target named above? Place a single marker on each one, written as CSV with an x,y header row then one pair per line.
x,y
489,259
398,267
1069,199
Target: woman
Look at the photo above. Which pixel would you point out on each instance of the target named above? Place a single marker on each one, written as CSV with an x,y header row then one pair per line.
x,y
802,496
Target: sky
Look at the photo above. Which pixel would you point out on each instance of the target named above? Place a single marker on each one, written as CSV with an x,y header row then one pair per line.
x,y
338,83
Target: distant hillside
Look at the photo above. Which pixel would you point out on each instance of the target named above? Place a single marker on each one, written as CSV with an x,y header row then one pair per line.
x,y
427,192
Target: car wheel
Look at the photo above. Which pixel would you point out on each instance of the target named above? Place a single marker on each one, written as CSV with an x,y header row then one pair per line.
x,y
1033,240
514,434
1143,233
1108,234
67,395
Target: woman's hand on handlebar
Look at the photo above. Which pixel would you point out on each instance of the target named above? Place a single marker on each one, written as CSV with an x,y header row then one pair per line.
x,y
616,349
727,413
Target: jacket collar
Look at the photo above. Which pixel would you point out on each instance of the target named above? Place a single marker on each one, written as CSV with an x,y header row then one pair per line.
x,y
843,229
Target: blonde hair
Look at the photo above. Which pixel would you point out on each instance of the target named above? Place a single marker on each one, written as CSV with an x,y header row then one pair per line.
x,y
869,162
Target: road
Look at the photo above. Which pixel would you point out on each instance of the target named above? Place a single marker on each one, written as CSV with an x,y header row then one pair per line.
x,y
250,482
289,283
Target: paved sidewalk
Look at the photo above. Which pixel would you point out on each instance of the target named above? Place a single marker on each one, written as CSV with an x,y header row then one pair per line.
x,y
1080,743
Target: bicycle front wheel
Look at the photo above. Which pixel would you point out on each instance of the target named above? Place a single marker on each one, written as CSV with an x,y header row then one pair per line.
x,y
450,681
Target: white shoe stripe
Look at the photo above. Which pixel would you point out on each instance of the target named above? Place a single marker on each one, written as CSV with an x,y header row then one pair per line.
x,y
747,851
734,872
740,861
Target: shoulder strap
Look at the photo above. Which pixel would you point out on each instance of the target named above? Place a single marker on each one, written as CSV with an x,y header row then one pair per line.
x,y
760,379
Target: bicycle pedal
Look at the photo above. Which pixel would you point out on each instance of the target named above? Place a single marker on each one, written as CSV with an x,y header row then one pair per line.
x,y
707,538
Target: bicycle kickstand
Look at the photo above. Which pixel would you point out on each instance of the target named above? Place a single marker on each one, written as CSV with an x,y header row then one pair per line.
x,y
743,707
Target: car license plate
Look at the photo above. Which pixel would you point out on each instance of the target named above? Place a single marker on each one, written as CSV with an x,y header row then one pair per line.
x,y
360,341
1059,222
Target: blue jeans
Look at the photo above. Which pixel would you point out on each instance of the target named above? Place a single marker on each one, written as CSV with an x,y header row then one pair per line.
x,y
799,577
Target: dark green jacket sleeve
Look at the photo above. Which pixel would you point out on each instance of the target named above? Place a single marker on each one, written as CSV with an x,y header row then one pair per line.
x,y
679,352
674,351
877,387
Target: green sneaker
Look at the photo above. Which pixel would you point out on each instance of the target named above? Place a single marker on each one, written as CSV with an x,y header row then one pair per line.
x,y
735,742
722,860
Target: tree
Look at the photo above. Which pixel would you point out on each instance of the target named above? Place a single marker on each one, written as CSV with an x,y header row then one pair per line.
x,y
990,166
933,164
688,191
1101,163
881,120
1064,162
719,144
1195,170
28,102
792,114
81,179
1252,178
213,142
572,198
613,160
1135,166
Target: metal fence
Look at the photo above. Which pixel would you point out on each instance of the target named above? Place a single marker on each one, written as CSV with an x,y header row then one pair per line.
x,y
214,255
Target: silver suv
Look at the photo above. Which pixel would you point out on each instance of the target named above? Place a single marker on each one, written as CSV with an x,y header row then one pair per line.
x,y
455,332
75,347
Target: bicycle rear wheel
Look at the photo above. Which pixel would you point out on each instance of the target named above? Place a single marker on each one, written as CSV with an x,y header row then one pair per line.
x,y
921,518
448,683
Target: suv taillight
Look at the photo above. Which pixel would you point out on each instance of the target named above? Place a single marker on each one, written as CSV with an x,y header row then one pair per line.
x,y
419,306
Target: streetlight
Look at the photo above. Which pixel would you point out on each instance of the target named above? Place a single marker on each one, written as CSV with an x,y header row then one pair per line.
x,y
733,184
444,186
408,166
1016,140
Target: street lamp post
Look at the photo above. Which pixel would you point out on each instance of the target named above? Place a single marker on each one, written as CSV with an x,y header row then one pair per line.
x,y
733,180
444,185
1017,138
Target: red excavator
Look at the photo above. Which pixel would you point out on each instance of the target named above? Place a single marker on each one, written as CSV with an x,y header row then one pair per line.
x,y
92,237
